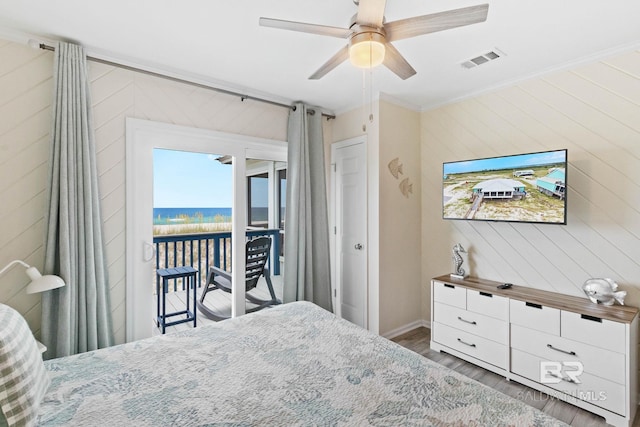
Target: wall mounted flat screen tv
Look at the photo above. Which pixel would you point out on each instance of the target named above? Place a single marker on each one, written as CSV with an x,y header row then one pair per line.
x,y
518,188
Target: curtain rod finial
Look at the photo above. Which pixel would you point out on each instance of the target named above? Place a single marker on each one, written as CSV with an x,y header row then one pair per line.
x,y
37,44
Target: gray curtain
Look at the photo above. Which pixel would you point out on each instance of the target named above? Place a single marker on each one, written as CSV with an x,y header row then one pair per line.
x,y
77,317
307,274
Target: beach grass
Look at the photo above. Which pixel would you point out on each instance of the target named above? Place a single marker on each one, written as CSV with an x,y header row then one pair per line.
x,y
168,229
185,224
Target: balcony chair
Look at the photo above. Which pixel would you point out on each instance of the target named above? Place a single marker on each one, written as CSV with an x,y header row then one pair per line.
x,y
258,250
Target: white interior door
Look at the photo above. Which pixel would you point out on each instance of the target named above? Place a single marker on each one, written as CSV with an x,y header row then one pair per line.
x,y
142,137
350,216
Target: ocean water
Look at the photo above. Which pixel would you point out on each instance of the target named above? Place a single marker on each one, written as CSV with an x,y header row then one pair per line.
x,y
163,216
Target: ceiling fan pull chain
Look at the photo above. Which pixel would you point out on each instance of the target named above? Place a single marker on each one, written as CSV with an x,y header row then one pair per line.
x,y
370,87
364,101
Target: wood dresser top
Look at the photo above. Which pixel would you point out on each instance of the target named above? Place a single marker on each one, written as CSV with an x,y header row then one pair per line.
x,y
616,313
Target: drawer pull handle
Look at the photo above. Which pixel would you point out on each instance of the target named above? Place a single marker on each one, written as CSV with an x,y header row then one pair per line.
x,y
471,322
567,379
466,343
592,318
572,353
530,304
485,294
446,285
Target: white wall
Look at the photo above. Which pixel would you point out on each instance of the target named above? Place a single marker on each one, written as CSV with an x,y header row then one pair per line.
x,y
594,111
400,216
25,99
394,220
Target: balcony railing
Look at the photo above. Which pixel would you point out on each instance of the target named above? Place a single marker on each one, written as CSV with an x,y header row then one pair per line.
x,y
201,250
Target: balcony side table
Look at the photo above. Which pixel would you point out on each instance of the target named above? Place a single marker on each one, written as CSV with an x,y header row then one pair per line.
x,y
188,274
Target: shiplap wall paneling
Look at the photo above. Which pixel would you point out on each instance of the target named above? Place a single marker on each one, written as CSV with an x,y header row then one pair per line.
x,y
25,99
171,102
112,96
594,111
529,131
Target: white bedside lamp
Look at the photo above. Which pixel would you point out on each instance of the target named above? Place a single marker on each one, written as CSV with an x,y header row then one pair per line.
x,y
39,283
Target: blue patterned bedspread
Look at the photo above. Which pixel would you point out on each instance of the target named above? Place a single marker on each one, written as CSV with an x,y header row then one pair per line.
x,y
292,365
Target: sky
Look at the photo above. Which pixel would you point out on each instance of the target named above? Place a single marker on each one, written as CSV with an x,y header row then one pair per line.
x,y
507,162
182,179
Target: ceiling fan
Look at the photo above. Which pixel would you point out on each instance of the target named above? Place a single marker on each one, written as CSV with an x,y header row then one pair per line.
x,y
370,37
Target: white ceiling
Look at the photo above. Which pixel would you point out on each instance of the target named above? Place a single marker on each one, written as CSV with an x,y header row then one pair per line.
x,y
220,41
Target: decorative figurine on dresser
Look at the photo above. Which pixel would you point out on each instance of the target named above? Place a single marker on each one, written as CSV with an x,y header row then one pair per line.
x,y
603,291
458,271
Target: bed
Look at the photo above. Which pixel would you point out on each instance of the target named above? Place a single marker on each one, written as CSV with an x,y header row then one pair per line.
x,y
294,364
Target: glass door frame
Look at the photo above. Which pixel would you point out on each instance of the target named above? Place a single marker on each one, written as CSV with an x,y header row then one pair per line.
x,y
142,136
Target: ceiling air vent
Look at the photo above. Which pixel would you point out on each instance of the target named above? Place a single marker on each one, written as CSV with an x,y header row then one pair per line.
x,y
482,59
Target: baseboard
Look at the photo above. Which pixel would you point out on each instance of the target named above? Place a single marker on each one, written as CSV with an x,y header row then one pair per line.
x,y
406,328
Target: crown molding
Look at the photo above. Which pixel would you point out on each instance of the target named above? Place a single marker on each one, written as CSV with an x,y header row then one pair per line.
x,y
596,57
399,102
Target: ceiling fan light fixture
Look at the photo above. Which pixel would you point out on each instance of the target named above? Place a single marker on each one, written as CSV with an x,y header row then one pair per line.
x,y
366,50
371,37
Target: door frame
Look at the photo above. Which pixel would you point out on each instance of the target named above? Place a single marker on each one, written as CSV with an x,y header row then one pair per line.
x,y
142,136
335,243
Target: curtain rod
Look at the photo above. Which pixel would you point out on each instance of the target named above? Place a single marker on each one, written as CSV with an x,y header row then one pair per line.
x,y
243,97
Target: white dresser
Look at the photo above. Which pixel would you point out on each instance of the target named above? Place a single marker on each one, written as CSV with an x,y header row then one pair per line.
x,y
565,346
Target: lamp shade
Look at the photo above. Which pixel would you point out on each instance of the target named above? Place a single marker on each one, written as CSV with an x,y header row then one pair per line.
x,y
39,283
366,50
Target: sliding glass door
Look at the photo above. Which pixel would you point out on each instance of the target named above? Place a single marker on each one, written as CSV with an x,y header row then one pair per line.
x,y
143,137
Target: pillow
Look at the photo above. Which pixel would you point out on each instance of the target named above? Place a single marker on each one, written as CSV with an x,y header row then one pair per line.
x,y
23,378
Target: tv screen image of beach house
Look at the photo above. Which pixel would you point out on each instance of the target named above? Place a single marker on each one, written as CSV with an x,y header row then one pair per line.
x,y
516,188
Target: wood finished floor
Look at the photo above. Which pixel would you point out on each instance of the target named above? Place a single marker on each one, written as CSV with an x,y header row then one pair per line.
x,y
217,300
418,340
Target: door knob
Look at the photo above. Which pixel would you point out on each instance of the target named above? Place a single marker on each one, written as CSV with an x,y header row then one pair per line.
x,y
358,246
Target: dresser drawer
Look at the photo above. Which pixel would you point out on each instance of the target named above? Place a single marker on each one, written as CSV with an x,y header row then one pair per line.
x,y
488,304
473,345
535,316
596,390
593,330
595,361
450,294
473,323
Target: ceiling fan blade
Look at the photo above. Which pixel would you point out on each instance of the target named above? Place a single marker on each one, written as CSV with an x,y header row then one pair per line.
x,y
322,30
394,61
337,59
411,27
371,12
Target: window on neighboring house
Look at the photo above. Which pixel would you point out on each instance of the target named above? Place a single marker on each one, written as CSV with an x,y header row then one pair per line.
x,y
258,203
282,204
